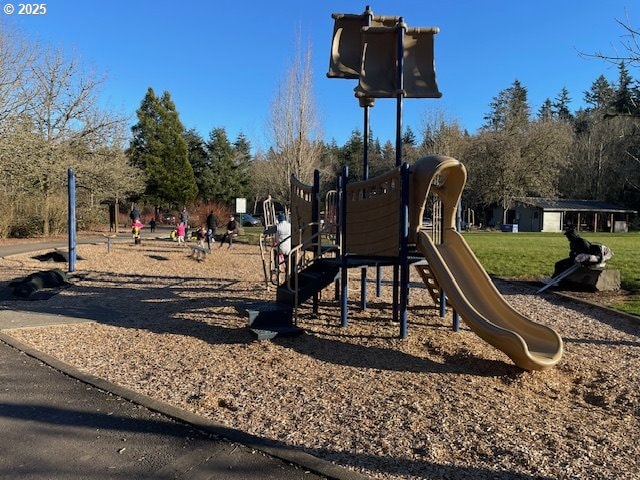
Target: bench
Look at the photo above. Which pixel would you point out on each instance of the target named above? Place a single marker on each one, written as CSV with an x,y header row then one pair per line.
x,y
199,253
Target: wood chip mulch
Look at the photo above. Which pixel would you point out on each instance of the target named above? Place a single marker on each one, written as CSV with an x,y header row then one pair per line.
x,y
436,405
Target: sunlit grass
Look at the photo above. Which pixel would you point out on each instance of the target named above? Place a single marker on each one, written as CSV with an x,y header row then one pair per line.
x,y
533,255
250,235
518,254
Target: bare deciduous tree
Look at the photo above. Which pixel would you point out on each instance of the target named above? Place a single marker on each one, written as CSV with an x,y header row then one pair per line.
x,y
504,166
441,135
16,55
50,120
628,50
294,130
68,121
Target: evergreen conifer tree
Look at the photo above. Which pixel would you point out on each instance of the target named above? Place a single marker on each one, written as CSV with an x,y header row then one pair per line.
x,y
600,95
199,160
546,110
228,180
509,110
561,105
623,95
242,154
159,148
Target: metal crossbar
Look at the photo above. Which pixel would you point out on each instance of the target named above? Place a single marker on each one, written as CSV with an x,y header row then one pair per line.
x,y
555,280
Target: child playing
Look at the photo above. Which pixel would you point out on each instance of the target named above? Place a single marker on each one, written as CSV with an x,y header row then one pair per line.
x,y
201,235
181,229
136,226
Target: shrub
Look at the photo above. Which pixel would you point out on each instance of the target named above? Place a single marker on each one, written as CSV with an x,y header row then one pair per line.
x,y
198,213
26,227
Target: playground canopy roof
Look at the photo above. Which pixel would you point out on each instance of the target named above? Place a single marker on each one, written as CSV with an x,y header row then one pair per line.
x,y
571,205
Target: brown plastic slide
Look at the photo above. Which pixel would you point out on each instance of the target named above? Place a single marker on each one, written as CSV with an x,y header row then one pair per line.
x,y
468,287
473,295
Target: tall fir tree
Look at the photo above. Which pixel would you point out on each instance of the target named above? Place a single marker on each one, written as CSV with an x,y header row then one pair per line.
x,y
227,182
353,153
510,110
623,101
409,138
600,95
545,113
409,146
199,159
561,105
159,148
242,159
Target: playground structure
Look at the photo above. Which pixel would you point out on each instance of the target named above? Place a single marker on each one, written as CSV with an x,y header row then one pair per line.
x,y
378,222
387,231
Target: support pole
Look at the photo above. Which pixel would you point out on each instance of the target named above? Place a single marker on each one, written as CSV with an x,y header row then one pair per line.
x,y
366,103
315,210
315,227
395,286
456,321
344,290
71,220
404,251
399,89
443,304
363,288
365,160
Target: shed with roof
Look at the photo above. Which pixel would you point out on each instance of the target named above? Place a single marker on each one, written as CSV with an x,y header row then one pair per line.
x,y
534,214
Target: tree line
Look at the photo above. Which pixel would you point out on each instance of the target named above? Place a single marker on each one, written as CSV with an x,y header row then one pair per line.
x,y
50,120
592,153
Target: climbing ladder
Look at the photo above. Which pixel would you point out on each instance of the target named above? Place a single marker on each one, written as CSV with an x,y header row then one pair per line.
x,y
434,205
429,280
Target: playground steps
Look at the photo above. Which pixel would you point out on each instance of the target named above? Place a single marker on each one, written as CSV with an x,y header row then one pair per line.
x,y
324,249
270,319
311,280
429,280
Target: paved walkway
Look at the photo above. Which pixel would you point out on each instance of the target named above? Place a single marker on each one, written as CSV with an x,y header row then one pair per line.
x,y
60,423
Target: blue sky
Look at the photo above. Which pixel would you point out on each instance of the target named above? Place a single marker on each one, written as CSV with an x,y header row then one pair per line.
x,y
222,60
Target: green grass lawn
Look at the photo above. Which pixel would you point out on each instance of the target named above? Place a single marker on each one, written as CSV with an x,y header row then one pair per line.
x,y
251,235
533,255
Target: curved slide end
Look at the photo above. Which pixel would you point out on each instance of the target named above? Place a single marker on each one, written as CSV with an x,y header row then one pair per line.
x,y
473,295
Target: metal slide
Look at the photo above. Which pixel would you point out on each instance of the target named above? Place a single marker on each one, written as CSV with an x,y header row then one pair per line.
x,y
473,295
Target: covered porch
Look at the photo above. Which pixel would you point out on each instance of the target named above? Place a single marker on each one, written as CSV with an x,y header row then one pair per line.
x,y
555,215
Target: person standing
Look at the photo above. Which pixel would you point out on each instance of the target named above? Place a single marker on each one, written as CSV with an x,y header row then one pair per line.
x,y
212,224
201,236
283,239
181,230
232,230
134,214
184,217
152,225
283,236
